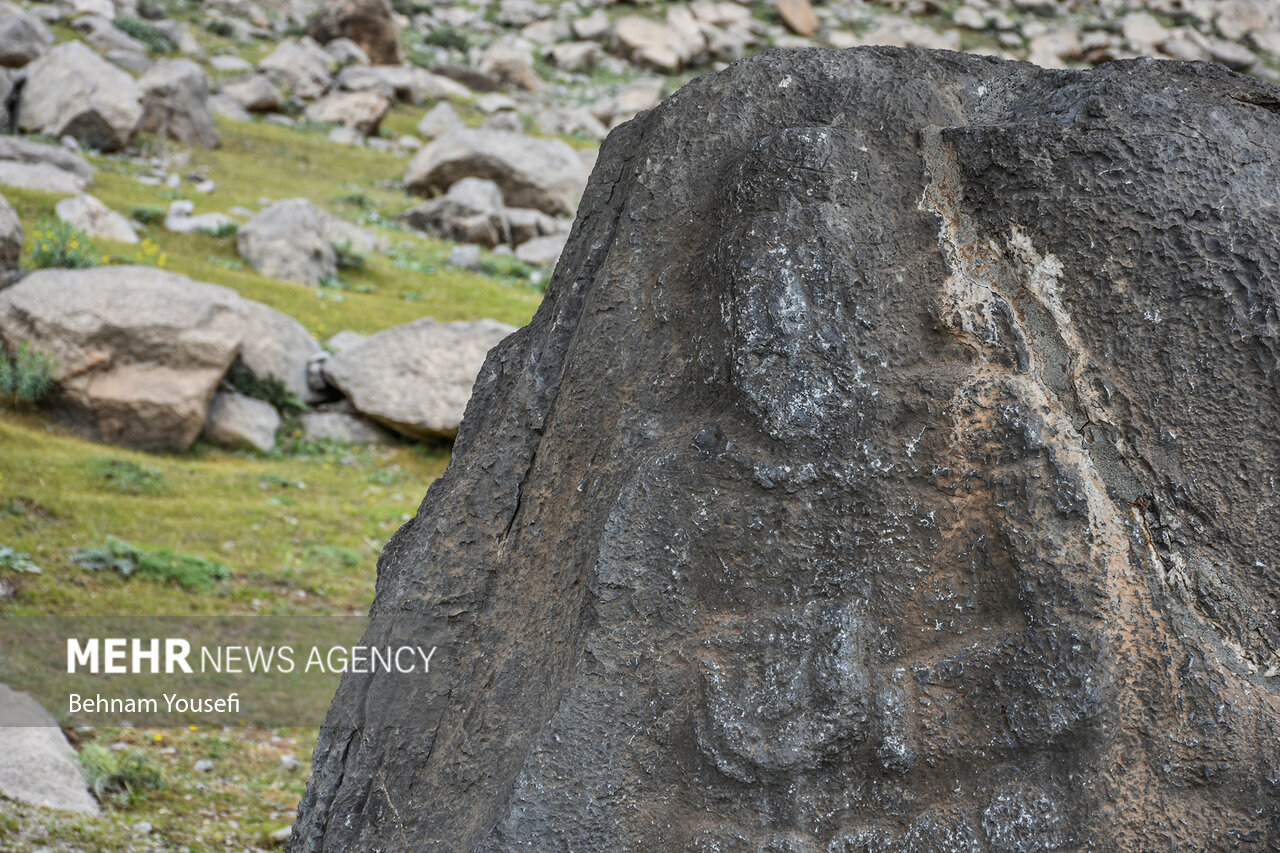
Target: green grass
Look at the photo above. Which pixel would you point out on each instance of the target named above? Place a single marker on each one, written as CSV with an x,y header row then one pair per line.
x,y
265,161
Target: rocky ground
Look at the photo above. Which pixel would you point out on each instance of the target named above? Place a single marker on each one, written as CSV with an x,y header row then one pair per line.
x,y
264,243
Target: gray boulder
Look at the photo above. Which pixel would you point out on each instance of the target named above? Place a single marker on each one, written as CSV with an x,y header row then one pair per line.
x,y
416,378
238,421
71,91
139,350
86,213
10,243
257,94
470,212
891,466
407,83
358,111
288,240
301,65
175,103
540,173
278,346
181,218
37,765
23,37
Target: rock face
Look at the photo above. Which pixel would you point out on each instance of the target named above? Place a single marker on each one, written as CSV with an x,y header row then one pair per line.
x,y
139,351
73,91
369,23
175,103
416,378
540,173
37,764
891,466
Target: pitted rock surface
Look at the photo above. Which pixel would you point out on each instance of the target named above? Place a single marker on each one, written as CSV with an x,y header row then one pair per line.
x,y
891,466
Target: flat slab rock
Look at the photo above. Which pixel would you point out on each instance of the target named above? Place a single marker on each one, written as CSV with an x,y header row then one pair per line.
x,y
891,467
416,379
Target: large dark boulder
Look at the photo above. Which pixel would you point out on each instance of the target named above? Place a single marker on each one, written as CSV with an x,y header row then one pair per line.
x,y
892,466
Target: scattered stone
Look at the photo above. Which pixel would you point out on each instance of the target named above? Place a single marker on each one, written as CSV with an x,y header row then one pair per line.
x,y
405,83
88,214
139,350
289,762
439,120
362,112
532,172
238,421
631,100
281,835
1143,31
23,37
181,219
228,107
175,103
37,765
464,257
416,378
107,38
276,345
204,765
369,23
71,90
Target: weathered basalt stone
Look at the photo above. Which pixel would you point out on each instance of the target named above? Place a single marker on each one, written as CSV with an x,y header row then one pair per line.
x,y
891,466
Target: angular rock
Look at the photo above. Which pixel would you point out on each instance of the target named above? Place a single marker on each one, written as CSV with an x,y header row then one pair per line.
x,y
10,243
257,94
369,23
359,111
510,62
23,37
175,103
575,55
416,378
85,213
71,91
402,82
107,38
238,421
798,16
593,27
346,52
37,765
665,48
288,240
139,350
539,173
300,65
276,345
890,467
470,212
439,120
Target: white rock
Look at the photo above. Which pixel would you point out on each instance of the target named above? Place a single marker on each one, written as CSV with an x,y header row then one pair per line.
x,y
88,214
